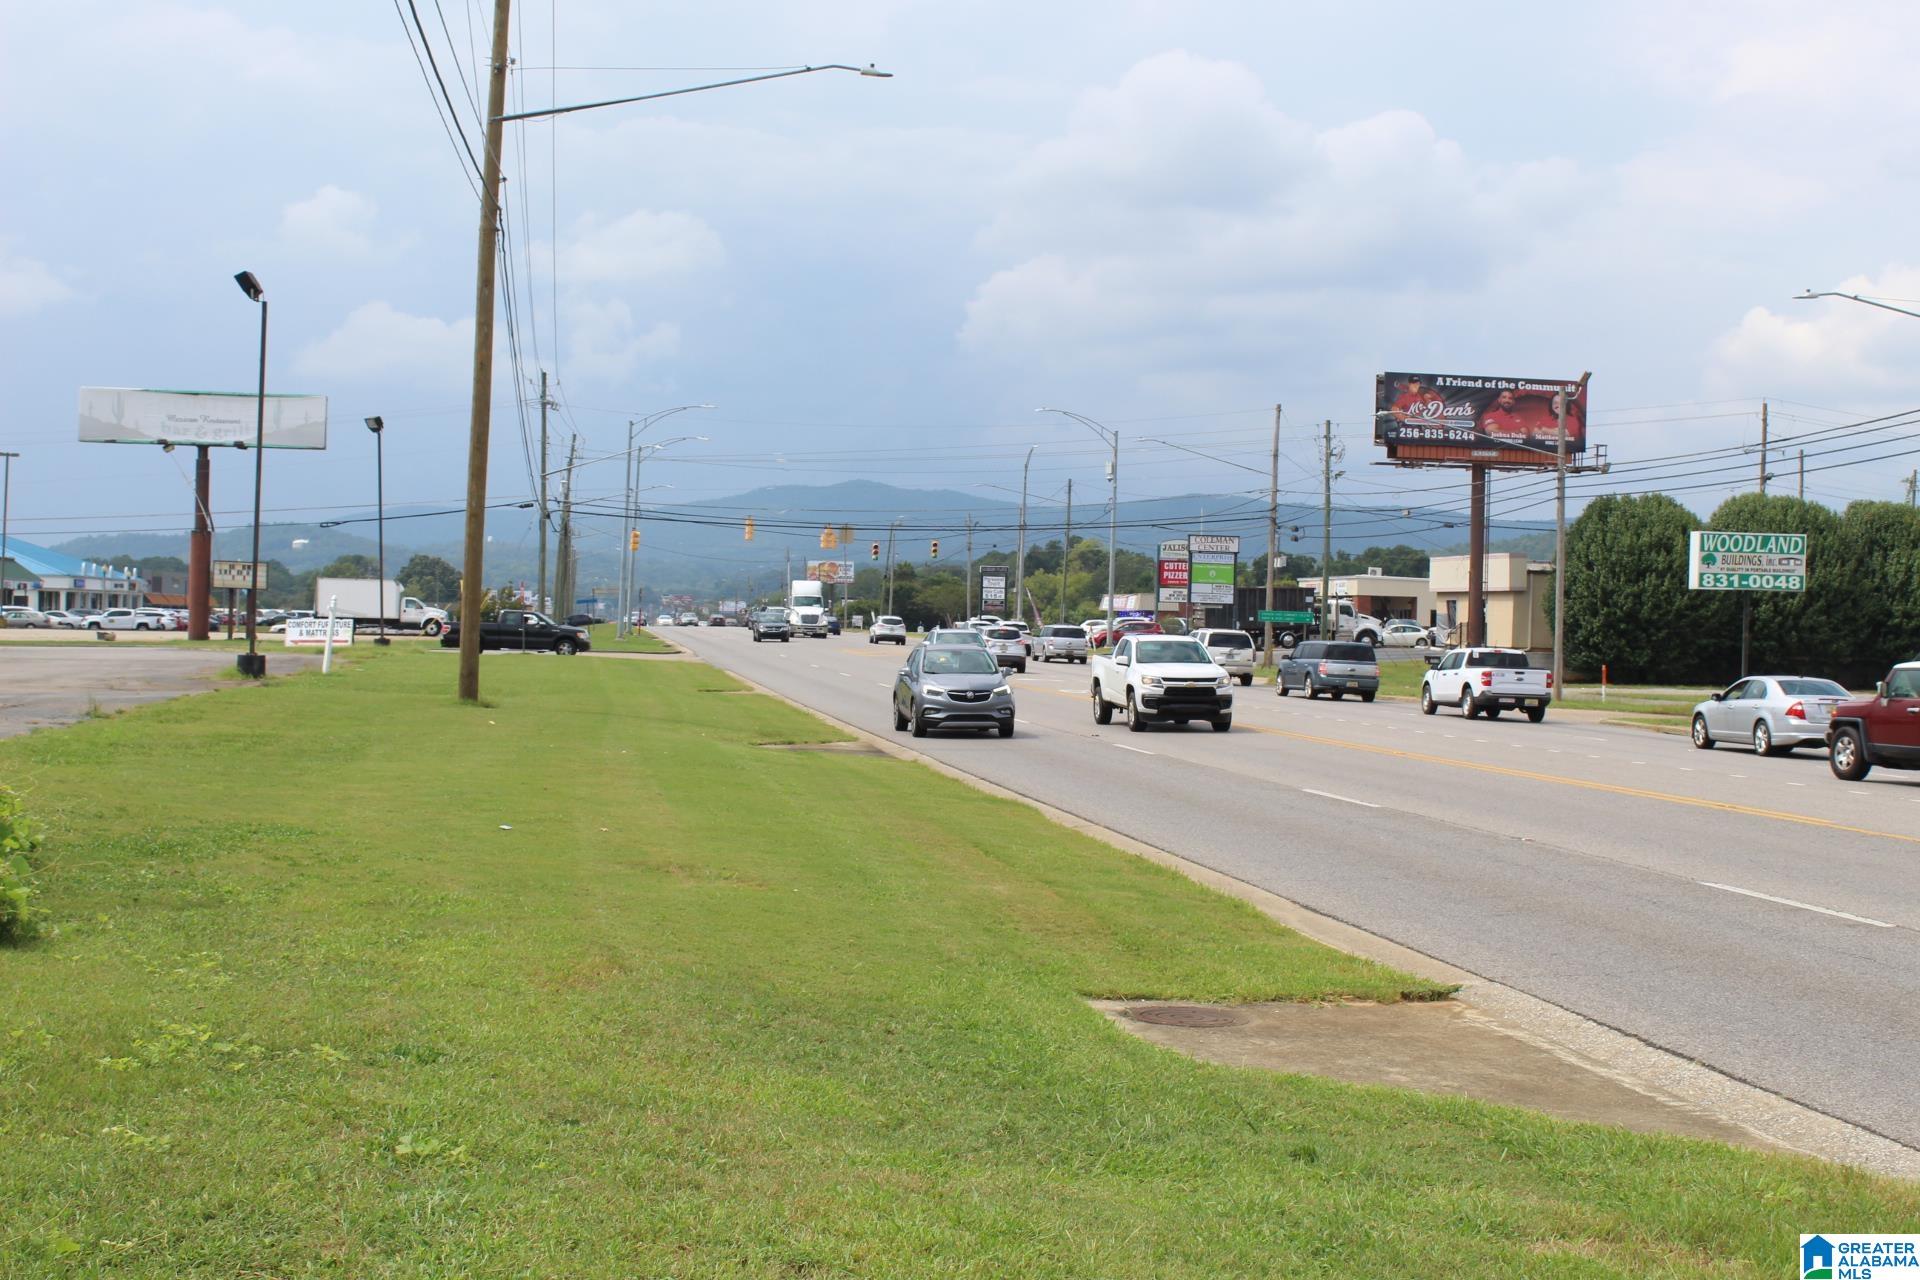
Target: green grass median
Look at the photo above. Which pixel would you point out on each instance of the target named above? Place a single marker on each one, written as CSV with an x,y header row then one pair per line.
x,y
639,640
354,980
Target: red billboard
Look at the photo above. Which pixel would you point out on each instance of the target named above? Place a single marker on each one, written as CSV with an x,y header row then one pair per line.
x,y
1451,417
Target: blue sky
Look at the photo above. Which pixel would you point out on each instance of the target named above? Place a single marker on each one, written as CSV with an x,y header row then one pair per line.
x,y
1166,216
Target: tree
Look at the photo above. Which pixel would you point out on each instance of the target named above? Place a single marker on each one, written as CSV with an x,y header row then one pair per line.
x,y
1875,553
352,566
431,578
1628,606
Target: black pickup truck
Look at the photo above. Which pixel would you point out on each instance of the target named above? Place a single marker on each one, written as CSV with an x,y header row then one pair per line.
x,y
521,629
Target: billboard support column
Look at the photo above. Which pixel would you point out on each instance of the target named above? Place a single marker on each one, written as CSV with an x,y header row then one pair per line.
x,y
1477,559
1560,536
200,549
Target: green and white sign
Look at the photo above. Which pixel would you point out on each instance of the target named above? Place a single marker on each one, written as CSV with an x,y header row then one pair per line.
x,y
1725,561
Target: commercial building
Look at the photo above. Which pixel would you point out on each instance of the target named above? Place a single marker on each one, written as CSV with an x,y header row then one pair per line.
x,y
1385,596
42,579
1516,589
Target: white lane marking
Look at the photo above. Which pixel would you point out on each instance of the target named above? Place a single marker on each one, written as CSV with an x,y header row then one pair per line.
x,y
1789,902
1328,795
847,674
1636,761
1731,775
1859,793
1794,784
1136,750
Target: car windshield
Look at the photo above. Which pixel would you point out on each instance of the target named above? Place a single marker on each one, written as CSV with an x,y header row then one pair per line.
x,y
888,622
1349,653
960,660
1498,660
1170,651
1002,633
1812,689
1068,633
1228,640
955,637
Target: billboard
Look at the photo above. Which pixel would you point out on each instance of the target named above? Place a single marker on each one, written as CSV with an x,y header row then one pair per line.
x,y
1212,561
236,575
1722,561
1454,417
128,415
837,572
993,585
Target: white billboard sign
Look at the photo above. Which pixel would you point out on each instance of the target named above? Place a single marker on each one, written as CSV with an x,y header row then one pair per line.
x,y
1228,543
1720,560
236,575
993,586
129,415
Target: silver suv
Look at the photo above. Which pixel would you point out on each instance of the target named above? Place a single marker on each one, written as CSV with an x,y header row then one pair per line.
x,y
957,686
1232,651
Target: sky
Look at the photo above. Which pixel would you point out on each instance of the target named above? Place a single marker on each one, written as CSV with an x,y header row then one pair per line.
x,y
1168,217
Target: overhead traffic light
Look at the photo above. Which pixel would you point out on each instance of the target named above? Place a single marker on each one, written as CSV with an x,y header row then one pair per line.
x,y
747,533
873,552
633,540
936,548
828,538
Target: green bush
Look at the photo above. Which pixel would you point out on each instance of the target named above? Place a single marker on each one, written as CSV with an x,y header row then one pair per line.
x,y
19,918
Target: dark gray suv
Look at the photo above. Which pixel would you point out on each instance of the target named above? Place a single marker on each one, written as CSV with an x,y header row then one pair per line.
x,y
952,687
1338,667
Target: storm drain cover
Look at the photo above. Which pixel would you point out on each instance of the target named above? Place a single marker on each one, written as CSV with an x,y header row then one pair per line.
x,y
1186,1015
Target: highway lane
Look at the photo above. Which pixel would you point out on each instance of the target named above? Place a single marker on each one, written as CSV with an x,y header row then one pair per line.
x,y
1610,871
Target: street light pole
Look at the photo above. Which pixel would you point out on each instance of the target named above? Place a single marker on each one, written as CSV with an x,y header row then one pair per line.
x,y
6,498
253,663
1112,437
376,424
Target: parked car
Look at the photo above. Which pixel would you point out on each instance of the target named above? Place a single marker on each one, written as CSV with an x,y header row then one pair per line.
x,y
123,620
14,615
1772,714
1062,641
1489,681
523,629
1232,650
953,686
1882,730
581,619
770,624
1402,634
1163,679
1008,647
889,630
1335,667
1099,638
64,619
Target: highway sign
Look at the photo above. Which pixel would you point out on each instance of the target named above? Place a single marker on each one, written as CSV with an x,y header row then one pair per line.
x,y
1299,617
1720,560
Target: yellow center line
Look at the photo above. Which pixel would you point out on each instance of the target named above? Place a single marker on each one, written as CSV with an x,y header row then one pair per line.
x,y
1586,784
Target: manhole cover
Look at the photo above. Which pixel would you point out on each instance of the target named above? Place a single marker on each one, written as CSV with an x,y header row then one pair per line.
x,y
1186,1015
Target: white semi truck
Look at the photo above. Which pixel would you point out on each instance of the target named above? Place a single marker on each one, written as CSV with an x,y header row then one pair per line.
x,y
807,608
370,601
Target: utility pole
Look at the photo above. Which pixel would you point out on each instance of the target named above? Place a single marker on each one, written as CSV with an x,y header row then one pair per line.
x,y
1020,556
481,422
540,600
891,528
6,498
1066,552
1803,475
1567,395
563,568
627,467
969,605
1763,448
1329,624
1913,480
1273,534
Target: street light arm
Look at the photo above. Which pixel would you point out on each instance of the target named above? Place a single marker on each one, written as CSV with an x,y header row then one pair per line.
x,y
868,70
1854,297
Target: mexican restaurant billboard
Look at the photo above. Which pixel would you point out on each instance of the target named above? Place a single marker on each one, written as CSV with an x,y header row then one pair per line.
x,y
1455,417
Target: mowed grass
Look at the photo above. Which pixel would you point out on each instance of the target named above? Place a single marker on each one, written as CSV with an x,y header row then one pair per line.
x,y
710,1009
639,640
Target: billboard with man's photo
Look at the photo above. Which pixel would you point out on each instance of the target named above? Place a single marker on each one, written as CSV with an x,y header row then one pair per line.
x,y
1434,415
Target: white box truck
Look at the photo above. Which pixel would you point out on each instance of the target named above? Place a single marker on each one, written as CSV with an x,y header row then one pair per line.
x,y
371,601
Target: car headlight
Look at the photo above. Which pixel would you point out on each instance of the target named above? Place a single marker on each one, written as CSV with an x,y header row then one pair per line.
x,y
1223,682
1152,682
935,690
1000,689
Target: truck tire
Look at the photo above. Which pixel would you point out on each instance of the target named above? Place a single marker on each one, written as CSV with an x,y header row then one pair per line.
x,y
1223,724
1849,757
1467,707
1102,709
1536,714
1427,706
1493,713
1701,737
1287,639
1246,681
431,627
1134,723
565,648
1368,695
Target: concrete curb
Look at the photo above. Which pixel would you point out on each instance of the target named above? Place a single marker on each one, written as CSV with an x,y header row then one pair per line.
x,y
1665,1077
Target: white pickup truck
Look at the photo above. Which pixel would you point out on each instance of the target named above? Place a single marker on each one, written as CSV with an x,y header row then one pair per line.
x,y
1487,680
1168,679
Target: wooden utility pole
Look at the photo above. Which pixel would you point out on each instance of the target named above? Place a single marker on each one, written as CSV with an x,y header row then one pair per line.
x,y
540,600
1763,448
1913,482
1066,552
1567,396
1273,534
1329,623
480,425
969,605
200,548
1803,475
563,567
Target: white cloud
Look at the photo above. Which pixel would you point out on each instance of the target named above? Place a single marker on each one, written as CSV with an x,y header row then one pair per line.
x,y
602,343
644,246
1835,349
27,285
332,221
375,340
1182,210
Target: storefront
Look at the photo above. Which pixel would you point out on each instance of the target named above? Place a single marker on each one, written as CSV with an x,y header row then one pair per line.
x,y
42,579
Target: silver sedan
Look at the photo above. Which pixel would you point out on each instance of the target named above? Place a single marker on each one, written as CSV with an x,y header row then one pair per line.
x,y
1772,714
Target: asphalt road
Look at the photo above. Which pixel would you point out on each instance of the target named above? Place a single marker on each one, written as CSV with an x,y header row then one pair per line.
x,y
1754,914
43,686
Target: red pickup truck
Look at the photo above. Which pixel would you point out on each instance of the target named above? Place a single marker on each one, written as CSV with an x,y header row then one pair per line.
x,y
1881,730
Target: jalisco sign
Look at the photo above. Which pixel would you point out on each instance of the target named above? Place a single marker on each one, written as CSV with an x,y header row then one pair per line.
x,y
1451,417
128,415
1725,561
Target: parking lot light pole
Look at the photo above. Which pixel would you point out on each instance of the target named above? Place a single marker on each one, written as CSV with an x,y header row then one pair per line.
x,y
6,496
376,424
1112,437
253,663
